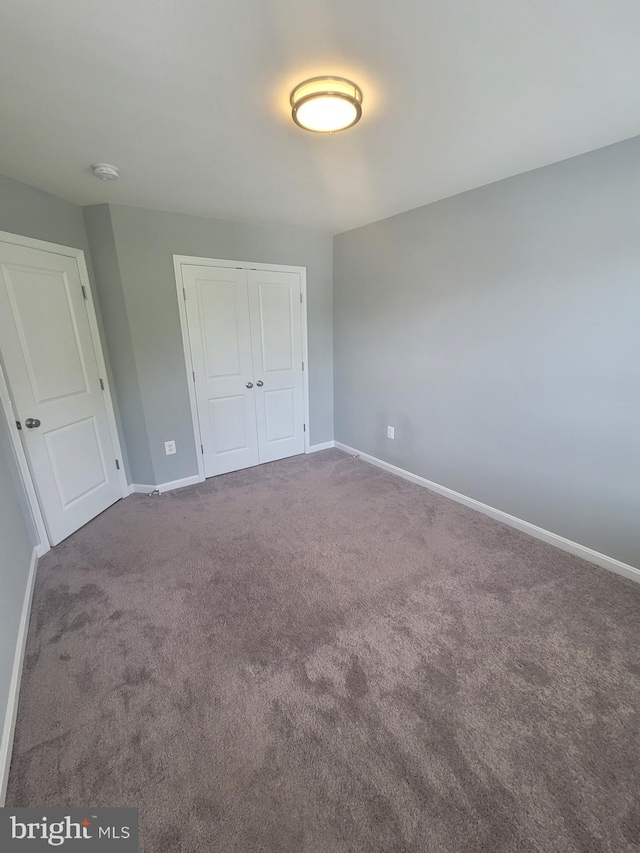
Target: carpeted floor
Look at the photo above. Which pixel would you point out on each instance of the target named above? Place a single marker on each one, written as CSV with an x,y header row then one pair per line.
x,y
314,656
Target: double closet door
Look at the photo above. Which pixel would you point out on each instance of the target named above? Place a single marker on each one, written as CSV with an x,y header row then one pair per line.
x,y
245,335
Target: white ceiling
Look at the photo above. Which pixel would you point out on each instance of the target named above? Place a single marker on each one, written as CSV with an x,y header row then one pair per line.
x,y
189,98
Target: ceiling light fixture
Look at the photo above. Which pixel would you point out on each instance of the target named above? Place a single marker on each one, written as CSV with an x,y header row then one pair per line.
x,y
105,172
326,104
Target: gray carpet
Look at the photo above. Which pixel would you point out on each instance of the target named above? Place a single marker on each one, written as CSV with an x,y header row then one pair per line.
x,y
315,656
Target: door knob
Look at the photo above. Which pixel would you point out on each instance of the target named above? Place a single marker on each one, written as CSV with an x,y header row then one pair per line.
x,y
249,384
259,383
32,423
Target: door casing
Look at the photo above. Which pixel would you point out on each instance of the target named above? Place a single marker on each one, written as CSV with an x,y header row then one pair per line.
x,y
187,260
5,398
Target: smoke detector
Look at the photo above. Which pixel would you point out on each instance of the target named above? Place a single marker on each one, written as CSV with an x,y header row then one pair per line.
x,y
105,172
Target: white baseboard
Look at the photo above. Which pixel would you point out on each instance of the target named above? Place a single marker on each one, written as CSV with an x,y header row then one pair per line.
x,y
8,729
325,445
144,488
568,545
141,488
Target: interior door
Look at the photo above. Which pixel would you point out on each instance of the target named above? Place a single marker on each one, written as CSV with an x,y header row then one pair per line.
x,y
217,308
276,327
52,372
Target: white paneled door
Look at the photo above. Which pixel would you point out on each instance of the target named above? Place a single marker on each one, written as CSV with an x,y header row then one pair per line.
x,y
245,337
56,389
217,305
276,334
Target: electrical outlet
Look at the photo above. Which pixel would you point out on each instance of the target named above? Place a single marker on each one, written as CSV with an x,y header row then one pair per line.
x,y
391,432
169,447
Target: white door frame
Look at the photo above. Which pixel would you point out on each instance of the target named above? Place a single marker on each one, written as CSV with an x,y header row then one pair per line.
x,y
5,398
187,260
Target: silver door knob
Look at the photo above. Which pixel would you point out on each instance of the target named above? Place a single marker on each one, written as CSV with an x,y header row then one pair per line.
x,y
32,423
259,383
249,384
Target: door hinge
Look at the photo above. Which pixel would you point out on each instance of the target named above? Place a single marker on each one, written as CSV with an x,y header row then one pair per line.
x,y
202,450
18,424
184,294
300,299
102,384
304,427
117,465
84,291
303,365
194,375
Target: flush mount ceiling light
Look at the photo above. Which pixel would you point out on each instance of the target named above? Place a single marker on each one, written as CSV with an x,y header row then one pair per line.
x,y
105,172
326,104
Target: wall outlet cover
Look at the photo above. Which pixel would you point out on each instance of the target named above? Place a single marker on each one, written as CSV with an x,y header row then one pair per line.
x,y
391,432
169,447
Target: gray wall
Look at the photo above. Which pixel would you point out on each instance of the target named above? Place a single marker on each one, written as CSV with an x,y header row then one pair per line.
x,y
117,337
33,213
144,243
498,331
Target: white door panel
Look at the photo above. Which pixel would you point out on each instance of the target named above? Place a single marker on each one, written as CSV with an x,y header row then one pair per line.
x,y
274,311
221,331
42,310
79,440
52,372
229,424
279,414
217,308
276,326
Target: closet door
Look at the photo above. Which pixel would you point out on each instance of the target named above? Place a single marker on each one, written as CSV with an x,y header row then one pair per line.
x,y
220,337
276,334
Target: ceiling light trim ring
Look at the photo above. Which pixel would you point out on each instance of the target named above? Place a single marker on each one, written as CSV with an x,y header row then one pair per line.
x,y
327,78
